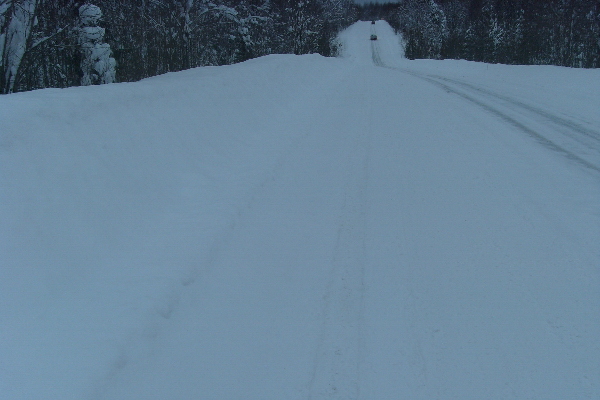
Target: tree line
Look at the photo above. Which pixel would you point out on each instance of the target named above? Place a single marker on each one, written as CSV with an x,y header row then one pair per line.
x,y
45,43
62,43
556,32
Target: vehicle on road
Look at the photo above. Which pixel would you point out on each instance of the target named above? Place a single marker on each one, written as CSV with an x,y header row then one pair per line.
x,y
373,37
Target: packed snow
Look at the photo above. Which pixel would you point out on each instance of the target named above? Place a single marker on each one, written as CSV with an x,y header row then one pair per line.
x,y
301,227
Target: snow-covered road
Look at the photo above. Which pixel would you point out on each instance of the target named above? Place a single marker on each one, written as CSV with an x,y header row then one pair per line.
x,y
367,227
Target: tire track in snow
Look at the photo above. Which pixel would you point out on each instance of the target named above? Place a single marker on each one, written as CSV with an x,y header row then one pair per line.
x,y
375,52
336,372
516,122
572,126
338,360
139,344
576,132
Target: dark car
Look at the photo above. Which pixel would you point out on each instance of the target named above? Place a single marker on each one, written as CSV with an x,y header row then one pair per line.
x,y
372,22
373,37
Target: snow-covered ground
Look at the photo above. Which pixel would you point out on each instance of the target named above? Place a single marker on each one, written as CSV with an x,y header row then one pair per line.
x,y
297,227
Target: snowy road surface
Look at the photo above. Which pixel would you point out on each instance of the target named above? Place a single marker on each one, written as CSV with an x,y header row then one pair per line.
x,y
366,227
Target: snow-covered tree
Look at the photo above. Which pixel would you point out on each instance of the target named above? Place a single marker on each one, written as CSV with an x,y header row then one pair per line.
x,y
436,29
592,39
456,22
97,65
16,20
303,22
425,28
255,24
337,15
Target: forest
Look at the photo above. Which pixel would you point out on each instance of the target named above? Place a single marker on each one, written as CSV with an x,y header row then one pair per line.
x,y
62,43
540,32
